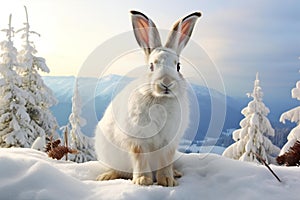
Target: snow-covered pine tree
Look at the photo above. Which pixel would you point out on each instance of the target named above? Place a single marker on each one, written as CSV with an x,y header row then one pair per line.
x,y
251,138
40,97
292,115
15,128
79,141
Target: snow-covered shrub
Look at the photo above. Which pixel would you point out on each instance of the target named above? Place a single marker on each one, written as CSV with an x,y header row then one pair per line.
x,y
40,97
251,138
82,143
15,127
292,115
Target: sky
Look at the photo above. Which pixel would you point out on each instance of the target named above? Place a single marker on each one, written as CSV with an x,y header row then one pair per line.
x,y
235,38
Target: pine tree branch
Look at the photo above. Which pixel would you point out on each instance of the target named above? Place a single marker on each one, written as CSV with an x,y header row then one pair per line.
x,y
269,168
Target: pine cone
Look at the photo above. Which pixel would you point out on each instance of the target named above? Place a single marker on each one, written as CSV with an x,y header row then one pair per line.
x,y
51,145
59,152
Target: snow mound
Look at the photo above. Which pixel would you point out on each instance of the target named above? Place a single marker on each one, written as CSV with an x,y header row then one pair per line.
x,y
30,174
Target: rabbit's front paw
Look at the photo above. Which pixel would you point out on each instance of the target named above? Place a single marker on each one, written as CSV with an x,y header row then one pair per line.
x,y
167,181
110,175
142,180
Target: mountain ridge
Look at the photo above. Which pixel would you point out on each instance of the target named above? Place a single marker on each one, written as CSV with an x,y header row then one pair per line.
x,y
97,93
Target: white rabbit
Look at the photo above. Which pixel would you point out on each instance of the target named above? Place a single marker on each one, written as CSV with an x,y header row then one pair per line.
x,y
141,128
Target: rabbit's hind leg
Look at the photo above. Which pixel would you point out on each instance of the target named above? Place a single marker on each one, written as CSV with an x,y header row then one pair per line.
x,y
177,174
165,177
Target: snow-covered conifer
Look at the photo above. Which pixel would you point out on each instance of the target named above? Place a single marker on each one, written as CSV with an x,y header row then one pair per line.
x,y
251,138
79,141
292,115
15,127
40,97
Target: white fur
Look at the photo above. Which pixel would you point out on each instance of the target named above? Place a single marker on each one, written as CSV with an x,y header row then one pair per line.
x,y
141,128
126,122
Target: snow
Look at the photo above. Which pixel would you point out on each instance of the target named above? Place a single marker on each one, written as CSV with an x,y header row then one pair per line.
x,y
39,143
204,146
296,91
207,149
30,174
228,132
293,115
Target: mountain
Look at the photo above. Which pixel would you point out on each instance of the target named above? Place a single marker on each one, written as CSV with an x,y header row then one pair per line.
x,y
96,94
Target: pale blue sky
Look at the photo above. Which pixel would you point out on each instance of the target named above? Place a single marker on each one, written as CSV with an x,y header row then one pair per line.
x,y
241,37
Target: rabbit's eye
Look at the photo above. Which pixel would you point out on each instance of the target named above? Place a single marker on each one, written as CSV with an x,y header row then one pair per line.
x,y
151,67
178,67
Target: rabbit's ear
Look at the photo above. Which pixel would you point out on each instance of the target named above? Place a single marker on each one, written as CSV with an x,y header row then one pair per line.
x,y
181,32
145,32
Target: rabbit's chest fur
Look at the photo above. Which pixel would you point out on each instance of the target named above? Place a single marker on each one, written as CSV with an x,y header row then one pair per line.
x,y
145,119
154,119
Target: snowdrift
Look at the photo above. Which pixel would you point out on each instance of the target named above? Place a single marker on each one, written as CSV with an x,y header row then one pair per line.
x,y
30,174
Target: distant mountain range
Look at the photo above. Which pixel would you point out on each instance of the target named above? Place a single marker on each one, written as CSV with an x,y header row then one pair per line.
x,y
96,94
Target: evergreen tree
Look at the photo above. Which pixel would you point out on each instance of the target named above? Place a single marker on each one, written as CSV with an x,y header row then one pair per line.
x,y
292,115
251,138
15,128
79,141
40,97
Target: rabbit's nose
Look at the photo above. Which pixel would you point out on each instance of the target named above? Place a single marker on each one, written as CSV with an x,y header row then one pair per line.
x,y
166,81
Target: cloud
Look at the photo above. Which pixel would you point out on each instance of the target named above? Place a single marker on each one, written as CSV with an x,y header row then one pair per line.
x,y
241,37
250,36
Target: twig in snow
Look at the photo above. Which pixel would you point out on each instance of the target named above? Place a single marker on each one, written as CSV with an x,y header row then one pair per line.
x,y
264,162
